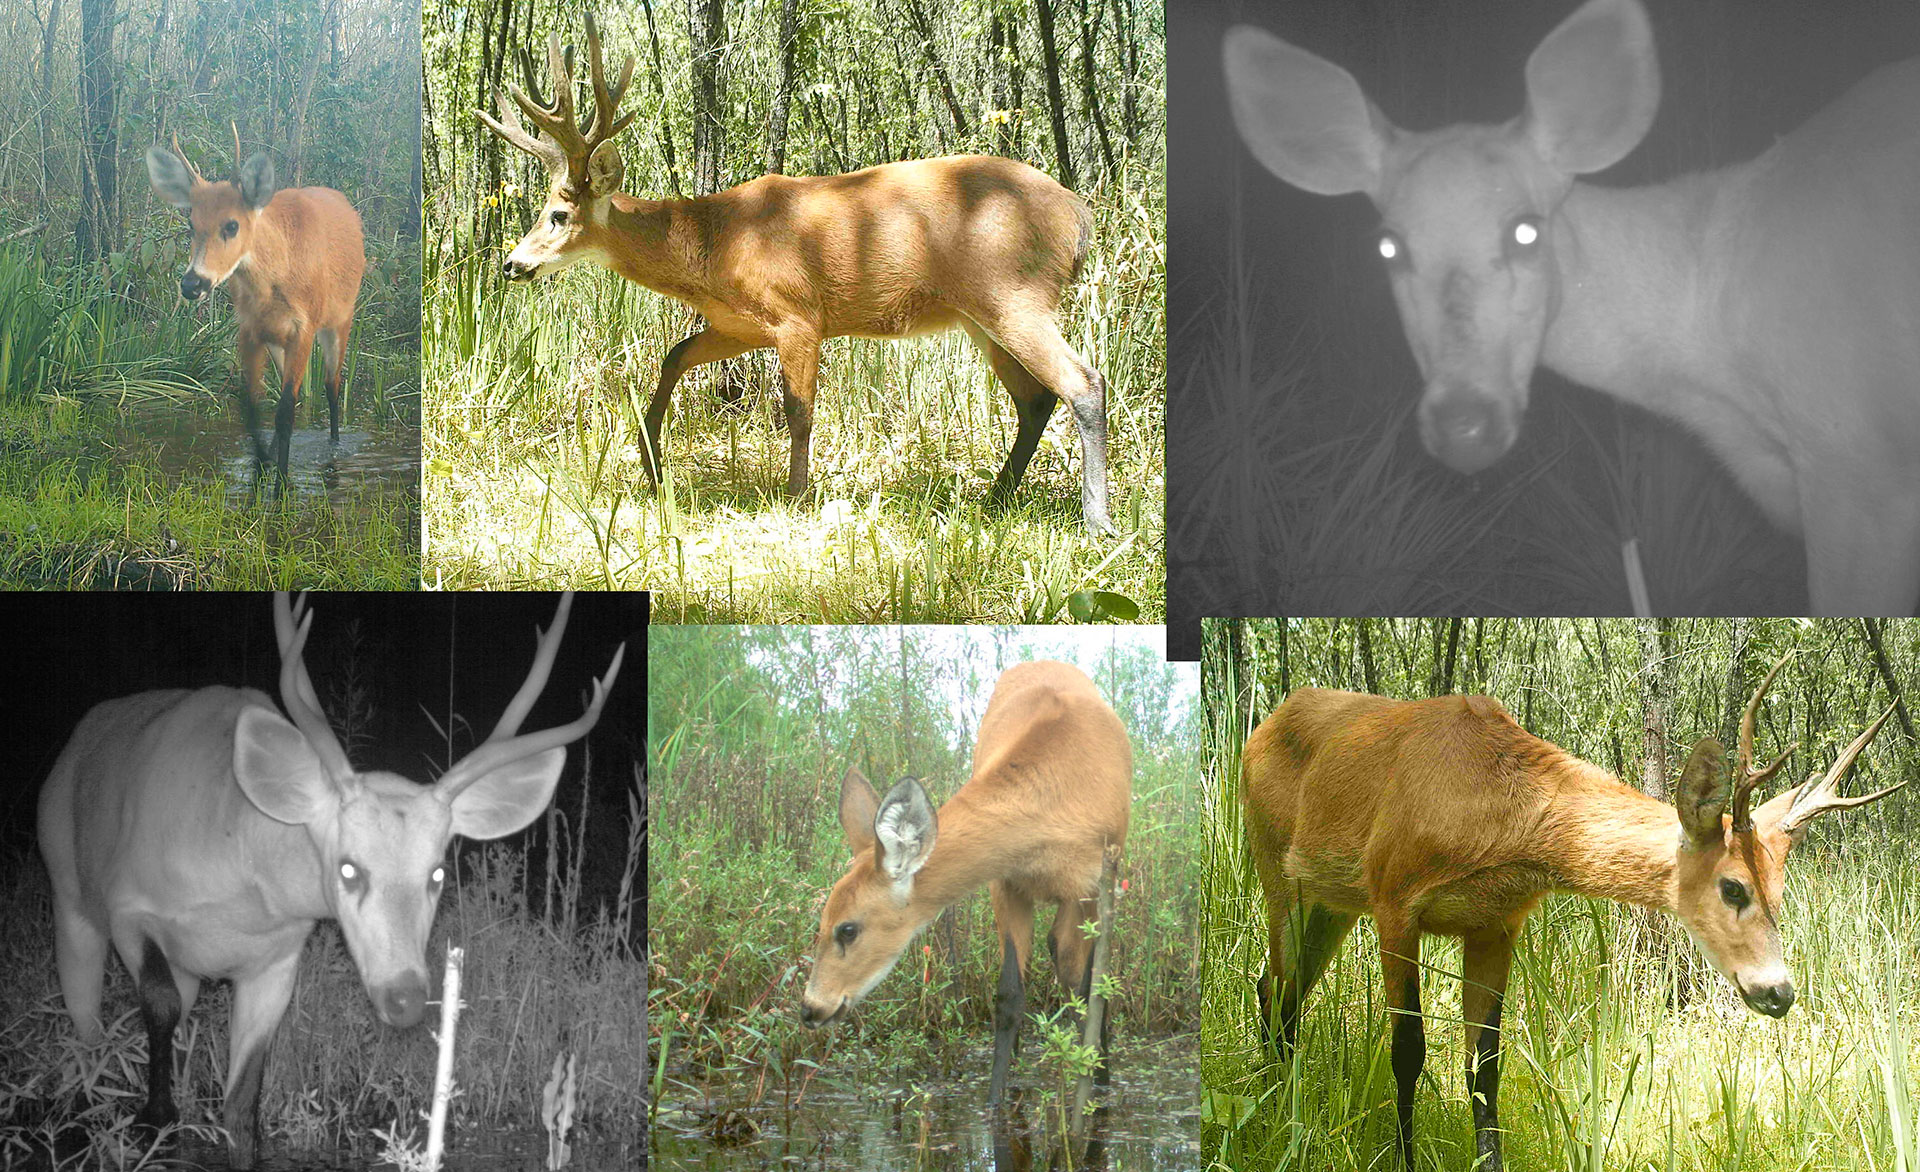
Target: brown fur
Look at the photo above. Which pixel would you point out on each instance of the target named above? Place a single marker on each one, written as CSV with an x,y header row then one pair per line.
x,y
1445,816
974,242
293,268
1050,790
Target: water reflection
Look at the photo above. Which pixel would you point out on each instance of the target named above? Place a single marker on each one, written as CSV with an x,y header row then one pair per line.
x,y
194,445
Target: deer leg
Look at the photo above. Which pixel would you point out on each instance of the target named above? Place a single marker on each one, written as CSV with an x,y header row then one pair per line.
x,y
1035,342
1033,405
1400,967
160,1010
692,350
1301,941
333,353
1072,951
799,367
1013,925
259,1001
253,363
293,372
1489,955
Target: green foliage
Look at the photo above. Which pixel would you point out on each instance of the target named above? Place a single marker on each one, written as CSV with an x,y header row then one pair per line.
x,y
1598,1071
750,731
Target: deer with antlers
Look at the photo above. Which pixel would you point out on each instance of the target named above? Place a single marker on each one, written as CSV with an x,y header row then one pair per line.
x,y
1445,816
984,244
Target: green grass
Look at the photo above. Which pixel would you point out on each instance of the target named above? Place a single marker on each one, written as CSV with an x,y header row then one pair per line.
x,y
535,478
1597,1072
85,504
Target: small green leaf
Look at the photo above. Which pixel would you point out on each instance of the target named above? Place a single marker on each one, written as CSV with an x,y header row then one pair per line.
x,y
1087,606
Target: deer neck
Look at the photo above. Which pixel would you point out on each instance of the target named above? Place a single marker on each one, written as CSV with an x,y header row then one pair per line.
x,y
1603,839
661,244
971,851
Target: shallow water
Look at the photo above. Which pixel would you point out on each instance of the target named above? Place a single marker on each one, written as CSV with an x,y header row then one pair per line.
x,y
200,446
1150,1122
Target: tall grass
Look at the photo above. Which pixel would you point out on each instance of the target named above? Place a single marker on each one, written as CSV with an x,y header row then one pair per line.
x,y
1597,1072
534,986
535,475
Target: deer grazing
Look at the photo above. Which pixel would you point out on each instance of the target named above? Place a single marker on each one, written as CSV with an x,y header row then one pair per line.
x,y
985,244
1768,307
291,258
1445,816
1051,786
204,835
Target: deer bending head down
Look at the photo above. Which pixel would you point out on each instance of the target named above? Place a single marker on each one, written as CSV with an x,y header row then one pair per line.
x,y
291,257
1768,307
983,244
1503,817
203,835
1050,791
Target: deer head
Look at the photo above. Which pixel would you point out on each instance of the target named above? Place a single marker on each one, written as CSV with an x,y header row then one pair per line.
x,y
222,212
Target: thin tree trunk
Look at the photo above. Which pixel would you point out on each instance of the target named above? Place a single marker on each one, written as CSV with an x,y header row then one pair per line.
x,y
783,90
296,148
924,28
1089,35
97,234
1885,669
1368,674
709,93
665,132
1057,104
49,182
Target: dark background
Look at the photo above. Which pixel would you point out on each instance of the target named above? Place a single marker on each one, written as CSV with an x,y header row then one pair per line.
x,y
467,652
1284,342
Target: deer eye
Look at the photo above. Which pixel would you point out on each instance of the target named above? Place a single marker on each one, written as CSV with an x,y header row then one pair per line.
x,y
438,877
1391,248
1735,893
228,229
1523,235
846,933
352,877
559,217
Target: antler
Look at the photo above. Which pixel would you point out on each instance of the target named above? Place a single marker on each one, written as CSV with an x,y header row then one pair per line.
x,y
571,143
290,624
1817,795
1745,780
237,157
502,746
182,156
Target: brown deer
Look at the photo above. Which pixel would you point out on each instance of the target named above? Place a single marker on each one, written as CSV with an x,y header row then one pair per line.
x,y
1051,788
986,244
1445,816
292,259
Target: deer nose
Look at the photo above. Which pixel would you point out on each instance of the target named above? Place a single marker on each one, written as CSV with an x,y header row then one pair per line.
x,y
402,1005
515,270
193,286
1464,429
1772,1000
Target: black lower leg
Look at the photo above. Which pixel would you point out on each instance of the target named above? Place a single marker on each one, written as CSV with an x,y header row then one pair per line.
x,y
250,412
1033,422
283,429
333,409
1008,1008
1483,1088
1409,1055
160,1008
243,1109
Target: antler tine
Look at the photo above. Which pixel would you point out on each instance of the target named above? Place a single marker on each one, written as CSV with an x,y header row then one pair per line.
x,y
291,621
502,746
182,156
556,118
1817,795
1745,780
606,102
236,151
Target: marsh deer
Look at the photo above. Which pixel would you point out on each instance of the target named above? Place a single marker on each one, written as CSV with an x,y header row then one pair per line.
x,y
1445,816
203,834
985,244
1770,307
1051,786
292,259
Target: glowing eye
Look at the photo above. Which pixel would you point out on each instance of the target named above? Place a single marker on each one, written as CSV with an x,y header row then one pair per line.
x,y
845,933
1389,246
1524,235
439,876
349,872
1735,893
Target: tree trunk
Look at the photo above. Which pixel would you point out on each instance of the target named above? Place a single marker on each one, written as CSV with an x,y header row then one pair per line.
x,y
1885,669
783,90
296,147
999,66
1089,35
1057,105
1368,674
49,182
97,234
924,29
709,95
1656,935
660,80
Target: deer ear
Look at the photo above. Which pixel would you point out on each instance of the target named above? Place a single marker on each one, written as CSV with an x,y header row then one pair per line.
x,y
605,170
278,770
508,798
906,830
256,180
857,805
1305,119
1701,797
1592,87
172,180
